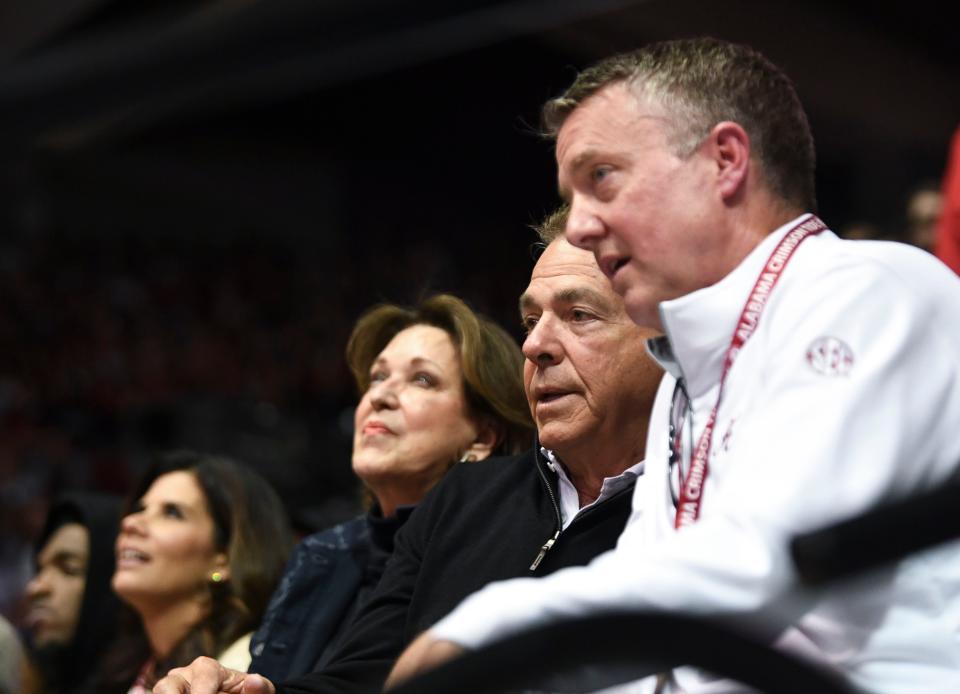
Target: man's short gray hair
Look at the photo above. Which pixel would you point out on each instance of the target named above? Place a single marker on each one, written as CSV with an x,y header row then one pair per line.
x,y
701,82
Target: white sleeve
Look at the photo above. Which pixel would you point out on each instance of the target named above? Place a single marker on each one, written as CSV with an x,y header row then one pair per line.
x,y
807,449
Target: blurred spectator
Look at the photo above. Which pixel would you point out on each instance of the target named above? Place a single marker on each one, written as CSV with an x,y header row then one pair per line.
x,y
199,553
23,507
948,230
11,659
72,610
861,230
923,210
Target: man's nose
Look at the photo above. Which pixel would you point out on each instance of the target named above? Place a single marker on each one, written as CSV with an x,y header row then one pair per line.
x,y
584,227
541,345
37,585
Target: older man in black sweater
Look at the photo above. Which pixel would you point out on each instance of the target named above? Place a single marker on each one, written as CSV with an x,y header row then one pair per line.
x,y
590,386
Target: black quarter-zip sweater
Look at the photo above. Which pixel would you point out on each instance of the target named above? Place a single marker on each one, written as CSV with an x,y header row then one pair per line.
x,y
484,522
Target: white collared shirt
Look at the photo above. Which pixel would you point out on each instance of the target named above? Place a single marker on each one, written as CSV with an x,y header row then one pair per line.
x,y
569,497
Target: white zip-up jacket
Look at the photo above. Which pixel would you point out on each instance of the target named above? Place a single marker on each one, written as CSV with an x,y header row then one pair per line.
x,y
847,395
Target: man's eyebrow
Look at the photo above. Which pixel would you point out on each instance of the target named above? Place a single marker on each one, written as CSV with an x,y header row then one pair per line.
x,y
526,302
582,158
578,162
575,295
570,295
62,556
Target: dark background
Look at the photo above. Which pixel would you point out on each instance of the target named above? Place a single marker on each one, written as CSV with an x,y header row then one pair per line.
x,y
197,199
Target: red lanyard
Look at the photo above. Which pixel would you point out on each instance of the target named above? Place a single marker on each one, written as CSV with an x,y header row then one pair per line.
x,y
691,491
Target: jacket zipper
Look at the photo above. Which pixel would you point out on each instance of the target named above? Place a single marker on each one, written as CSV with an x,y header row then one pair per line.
x,y
556,509
548,545
543,551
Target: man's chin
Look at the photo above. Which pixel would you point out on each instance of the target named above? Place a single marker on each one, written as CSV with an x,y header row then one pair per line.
x,y
557,437
42,634
48,649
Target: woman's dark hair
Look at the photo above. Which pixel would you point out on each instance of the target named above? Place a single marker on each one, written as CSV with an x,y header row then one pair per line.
x,y
490,361
251,527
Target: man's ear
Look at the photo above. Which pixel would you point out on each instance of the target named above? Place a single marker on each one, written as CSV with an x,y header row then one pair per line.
x,y
489,434
729,148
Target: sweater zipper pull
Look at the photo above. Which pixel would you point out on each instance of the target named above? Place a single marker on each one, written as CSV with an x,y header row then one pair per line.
x,y
543,551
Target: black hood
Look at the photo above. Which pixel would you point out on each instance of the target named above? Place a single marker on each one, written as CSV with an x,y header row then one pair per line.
x,y
100,514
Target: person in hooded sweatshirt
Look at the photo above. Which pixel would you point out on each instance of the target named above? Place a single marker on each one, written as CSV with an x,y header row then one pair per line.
x,y
71,608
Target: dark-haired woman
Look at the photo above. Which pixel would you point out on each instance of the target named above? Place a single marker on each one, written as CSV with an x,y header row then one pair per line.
x,y
200,550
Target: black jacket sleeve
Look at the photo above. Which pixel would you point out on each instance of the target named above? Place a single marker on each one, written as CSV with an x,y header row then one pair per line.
x,y
362,660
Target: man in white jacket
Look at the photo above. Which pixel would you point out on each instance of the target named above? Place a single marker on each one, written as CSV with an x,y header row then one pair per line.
x,y
811,378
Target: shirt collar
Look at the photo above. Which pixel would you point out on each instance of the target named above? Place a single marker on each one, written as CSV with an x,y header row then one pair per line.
x,y
570,498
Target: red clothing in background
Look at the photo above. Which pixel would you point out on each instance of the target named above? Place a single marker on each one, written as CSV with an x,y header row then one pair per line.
x,y
947,244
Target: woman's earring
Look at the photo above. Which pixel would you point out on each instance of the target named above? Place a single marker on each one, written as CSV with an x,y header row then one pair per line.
x,y
216,577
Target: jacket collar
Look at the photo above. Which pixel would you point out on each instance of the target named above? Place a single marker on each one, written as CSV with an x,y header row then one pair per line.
x,y
698,326
383,528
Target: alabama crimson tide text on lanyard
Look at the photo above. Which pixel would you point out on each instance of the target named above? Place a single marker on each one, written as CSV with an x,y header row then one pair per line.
x,y
691,490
